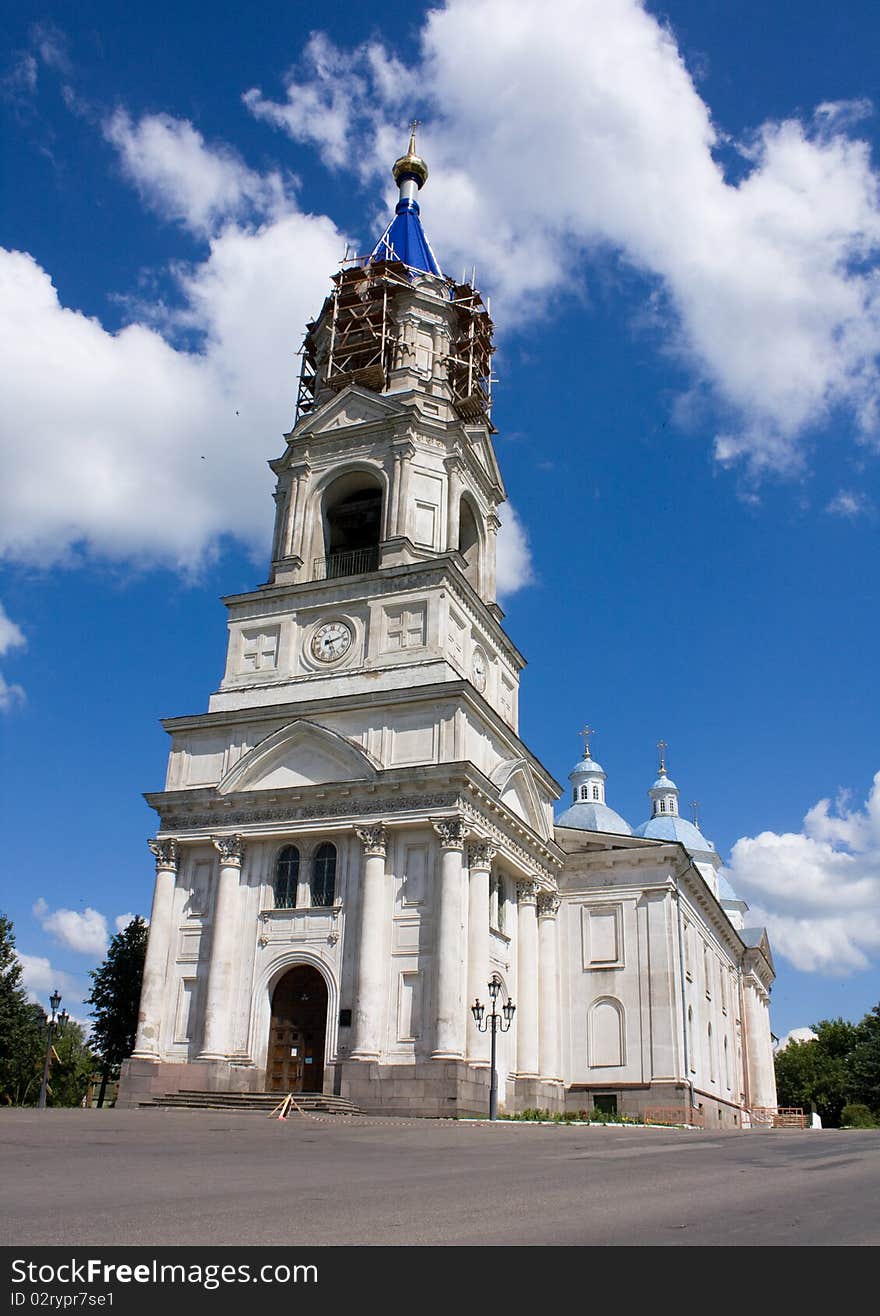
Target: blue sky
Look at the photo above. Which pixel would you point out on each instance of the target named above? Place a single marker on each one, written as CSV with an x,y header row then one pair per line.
x,y
675,211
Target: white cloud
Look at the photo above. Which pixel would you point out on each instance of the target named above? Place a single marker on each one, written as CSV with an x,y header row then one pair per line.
x,y
319,108
40,980
11,637
514,565
84,932
797,1035
817,890
183,179
848,504
156,452
585,132
122,921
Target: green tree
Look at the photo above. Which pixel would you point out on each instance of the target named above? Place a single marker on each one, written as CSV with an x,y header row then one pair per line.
x,y
865,1061
817,1072
72,1066
22,1028
115,994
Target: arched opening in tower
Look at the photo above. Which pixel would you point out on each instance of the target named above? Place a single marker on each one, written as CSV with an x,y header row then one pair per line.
x,y
469,542
352,524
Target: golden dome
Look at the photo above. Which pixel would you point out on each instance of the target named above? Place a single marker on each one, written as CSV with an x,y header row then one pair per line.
x,y
411,163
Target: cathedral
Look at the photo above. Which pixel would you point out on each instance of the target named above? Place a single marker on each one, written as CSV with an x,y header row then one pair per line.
x,y
353,842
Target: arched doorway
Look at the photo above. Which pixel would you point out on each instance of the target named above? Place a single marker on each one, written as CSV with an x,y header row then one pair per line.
x,y
297,1032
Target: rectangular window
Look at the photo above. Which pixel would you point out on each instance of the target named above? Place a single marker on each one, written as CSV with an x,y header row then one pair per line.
x,y
605,1102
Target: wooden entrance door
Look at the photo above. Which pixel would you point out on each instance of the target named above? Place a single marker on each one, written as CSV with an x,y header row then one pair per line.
x,y
298,1032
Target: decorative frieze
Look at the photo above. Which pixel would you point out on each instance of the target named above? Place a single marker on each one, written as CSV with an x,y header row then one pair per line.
x,y
373,839
167,853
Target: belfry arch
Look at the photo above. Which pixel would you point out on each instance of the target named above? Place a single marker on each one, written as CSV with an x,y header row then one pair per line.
x,y
351,522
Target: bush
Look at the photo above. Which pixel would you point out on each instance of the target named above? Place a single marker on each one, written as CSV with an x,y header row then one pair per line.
x,y
857,1117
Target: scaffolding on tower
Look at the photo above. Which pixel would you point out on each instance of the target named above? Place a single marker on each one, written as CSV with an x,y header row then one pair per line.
x,y
359,347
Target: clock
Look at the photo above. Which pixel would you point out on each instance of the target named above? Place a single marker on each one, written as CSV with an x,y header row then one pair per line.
x,y
478,669
331,641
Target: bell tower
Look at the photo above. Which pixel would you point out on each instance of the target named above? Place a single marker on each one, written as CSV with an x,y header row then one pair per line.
x,y
357,786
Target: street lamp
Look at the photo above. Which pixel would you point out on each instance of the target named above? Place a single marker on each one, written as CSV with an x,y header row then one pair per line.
x,y
491,1023
59,1022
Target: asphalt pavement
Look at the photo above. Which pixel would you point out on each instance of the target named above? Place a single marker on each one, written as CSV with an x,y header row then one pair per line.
x,y
151,1177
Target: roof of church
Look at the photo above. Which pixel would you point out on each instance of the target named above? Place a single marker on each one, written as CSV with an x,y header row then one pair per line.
x,y
664,783
591,816
587,767
669,827
404,240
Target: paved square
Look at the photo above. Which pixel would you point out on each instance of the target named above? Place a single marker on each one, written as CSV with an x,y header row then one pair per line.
x,y
185,1177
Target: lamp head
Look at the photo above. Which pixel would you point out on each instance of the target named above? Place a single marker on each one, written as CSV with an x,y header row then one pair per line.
x,y
478,1011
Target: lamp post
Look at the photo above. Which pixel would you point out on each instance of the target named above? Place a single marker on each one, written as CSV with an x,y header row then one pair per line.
x,y
491,1023
54,1001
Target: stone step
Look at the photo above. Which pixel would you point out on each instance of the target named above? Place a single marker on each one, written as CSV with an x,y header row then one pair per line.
x,y
190,1099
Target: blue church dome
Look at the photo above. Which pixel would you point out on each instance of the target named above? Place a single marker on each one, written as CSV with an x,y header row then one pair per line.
x,y
670,827
592,816
587,767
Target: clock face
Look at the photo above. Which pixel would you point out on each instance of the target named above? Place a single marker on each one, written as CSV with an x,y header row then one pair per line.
x,y
331,641
478,669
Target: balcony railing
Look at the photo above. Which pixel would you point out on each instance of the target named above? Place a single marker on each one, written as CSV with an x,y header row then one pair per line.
x,y
353,563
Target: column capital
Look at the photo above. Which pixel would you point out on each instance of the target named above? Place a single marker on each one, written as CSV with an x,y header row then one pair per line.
x,y
230,850
481,854
374,839
167,853
526,891
453,832
548,904
493,523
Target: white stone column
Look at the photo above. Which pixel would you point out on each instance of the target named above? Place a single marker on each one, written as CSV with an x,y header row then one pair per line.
x,y
548,1008
146,1045
527,978
493,525
453,498
450,1031
480,856
762,1078
370,991
221,967
296,507
403,501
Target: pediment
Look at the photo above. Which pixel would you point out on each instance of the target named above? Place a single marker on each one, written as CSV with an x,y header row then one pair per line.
x,y
300,754
483,451
353,406
518,791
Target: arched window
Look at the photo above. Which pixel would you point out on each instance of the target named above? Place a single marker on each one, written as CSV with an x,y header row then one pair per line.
x,y
286,877
662,806
595,792
352,512
324,875
502,901
585,792
692,1058
711,1054
469,542
726,1065
606,1034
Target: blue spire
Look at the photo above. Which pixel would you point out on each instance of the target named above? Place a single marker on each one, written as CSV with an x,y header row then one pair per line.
x,y
404,238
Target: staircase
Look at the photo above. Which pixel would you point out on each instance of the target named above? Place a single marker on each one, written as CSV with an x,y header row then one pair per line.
x,y
188,1099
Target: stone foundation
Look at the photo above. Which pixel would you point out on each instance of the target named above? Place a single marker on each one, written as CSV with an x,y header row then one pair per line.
x,y
141,1081
636,1099
432,1088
